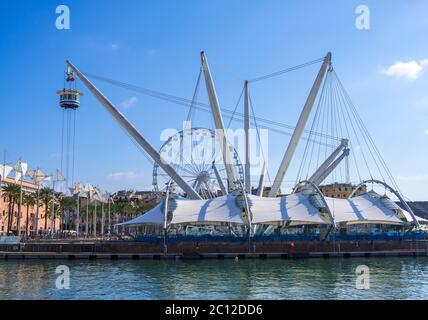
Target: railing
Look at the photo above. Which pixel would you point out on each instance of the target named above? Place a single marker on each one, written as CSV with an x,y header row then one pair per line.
x,y
349,237
380,237
172,239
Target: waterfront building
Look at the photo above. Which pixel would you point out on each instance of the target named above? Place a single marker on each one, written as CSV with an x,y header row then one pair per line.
x,y
31,222
341,190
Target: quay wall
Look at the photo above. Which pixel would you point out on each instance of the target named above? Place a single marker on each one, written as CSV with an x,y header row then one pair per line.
x,y
217,249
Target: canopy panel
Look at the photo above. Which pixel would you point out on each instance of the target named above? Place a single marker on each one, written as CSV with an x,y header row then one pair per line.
x,y
153,216
293,209
361,209
405,214
222,210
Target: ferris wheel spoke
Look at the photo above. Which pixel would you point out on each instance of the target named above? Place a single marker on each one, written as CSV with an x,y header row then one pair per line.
x,y
193,159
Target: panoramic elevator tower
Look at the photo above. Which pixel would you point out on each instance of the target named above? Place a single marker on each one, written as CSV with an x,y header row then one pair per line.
x,y
69,102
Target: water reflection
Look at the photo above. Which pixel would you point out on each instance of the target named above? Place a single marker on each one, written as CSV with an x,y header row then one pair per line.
x,y
391,278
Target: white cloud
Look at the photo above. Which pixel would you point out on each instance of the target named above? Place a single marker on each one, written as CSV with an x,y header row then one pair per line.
x,y
424,63
125,176
410,69
128,103
426,131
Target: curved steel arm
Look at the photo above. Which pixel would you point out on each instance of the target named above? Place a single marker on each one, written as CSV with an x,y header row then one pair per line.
x,y
395,192
317,190
133,132
298,131
218,121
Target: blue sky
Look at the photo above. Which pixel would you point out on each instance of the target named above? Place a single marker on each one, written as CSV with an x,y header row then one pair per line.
x,y
156,44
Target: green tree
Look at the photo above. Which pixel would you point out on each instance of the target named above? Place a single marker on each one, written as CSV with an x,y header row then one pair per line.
x,y
29,200
12,191
66,205
46,198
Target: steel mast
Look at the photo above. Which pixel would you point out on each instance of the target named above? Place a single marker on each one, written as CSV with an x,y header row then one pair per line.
x,y
218,121
324,166
130,129
298,131
247,138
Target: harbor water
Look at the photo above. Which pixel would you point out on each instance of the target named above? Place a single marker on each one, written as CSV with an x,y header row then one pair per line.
x,y
389,278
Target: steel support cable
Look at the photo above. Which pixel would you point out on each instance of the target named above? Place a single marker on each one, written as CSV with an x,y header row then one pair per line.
x,y
195,95
305,152
327,126
68,143
353,153
332,125
338,171
348,131
361,128
74,149
318,115
371,140
258,138
338,126
185,102
62,138
303,162
278,73
336,131
367,144
323,115
207,110
236,107
355,132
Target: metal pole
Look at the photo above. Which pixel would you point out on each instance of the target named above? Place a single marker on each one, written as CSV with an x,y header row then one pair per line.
x,y
318,173
18,231
304,116
165,216
102,219
219,180
109,217
53,208
218,121
78,214
87,216
348,177
330,169
37,207
130,129
2,177
247,138
94,220
261,181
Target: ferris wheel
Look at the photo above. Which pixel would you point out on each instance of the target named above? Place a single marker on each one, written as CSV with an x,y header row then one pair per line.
x,y
195,155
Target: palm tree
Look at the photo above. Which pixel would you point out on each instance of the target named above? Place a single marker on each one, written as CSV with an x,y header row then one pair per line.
x,y
46,197
12,191
29,200
66,204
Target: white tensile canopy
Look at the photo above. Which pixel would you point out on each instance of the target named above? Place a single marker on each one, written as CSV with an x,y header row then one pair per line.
x,y
361,209
154,216
409,218
222,210
293,209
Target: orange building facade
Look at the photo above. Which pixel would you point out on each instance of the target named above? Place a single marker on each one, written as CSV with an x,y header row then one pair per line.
x,y
29,219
